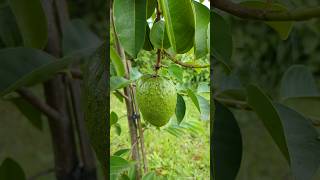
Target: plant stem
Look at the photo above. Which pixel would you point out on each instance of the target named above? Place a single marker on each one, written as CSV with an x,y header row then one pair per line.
x,y
300,14
173,59
158,18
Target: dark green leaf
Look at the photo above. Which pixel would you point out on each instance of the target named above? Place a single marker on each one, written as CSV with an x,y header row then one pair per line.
x,y
130,24
95,99
119,165
147,42
282,27
26,66
158,35
297,82
303,143
9,31
117,82
194,99
77,36
151,6
307,105
202,14
180,108
117,62
31,21
226,145
118,128
113,118
31,113
180,24
236,94
176,71
264,108
221,43
121,152
11,170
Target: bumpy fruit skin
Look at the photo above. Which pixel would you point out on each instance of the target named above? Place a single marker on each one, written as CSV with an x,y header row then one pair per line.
x,y
156,98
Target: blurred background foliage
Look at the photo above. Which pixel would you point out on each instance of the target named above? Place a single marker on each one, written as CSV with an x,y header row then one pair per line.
x,y
20,140
261,57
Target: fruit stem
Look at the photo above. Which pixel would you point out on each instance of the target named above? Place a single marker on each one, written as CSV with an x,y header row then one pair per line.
x,y
158,18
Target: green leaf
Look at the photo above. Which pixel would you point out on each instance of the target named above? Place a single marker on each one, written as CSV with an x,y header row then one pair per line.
x,y
203,88
147,42
298,81
130,24
176,71
95,98
117,62
119,165
204,108
221,44
135,74
121,152
118,128
78,36
113,118
10,169
235,94
306,105
180,108
202,14
226,145
303,143
194,99
30,112
9,31
151,6
25,67
18,66
149,176
282,27
158,35
31,21
264,108
180,24
117,82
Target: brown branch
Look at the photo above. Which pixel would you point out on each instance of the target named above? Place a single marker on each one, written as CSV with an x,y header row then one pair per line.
x,y
123,95
300,14
173,59
76,74
234,103
39,104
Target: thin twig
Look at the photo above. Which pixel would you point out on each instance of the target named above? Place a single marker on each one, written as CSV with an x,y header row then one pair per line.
x,y
39,104
173,59
241,11
123,95
234,103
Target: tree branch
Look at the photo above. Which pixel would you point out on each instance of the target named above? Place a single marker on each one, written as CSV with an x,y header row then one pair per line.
x,y
300,14
39,104
243,105
173,59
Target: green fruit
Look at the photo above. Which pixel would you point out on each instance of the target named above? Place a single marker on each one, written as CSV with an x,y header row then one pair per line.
x,y
157,98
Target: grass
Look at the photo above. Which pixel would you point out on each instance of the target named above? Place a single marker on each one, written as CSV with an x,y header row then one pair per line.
x,y
183,157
